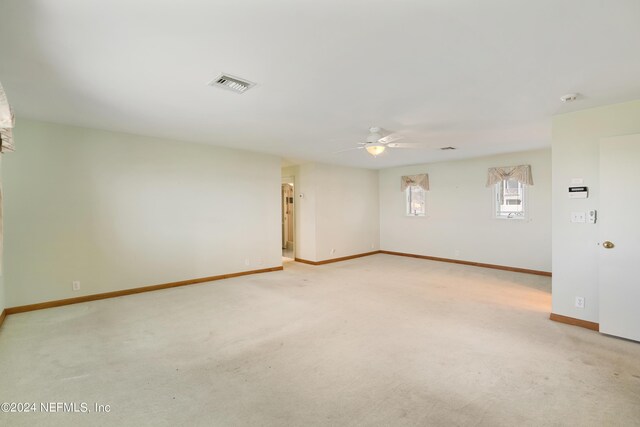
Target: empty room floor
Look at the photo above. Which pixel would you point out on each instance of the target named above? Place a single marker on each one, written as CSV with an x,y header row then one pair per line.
x,y
380,340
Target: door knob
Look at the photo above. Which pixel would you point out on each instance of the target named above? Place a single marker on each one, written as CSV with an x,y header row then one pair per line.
x,y
607,244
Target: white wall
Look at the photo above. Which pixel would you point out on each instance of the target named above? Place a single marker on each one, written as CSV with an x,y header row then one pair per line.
x,y
338,210
347,211
459,222
118,211
576,138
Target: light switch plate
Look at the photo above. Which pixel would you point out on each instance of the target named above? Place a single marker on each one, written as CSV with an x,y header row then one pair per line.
x,y
578,217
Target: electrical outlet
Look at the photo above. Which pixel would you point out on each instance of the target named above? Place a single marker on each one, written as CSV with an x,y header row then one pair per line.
x,y
579,302
333,251
456,253
246,261
75,285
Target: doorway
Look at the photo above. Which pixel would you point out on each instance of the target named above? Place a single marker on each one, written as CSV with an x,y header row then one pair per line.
x,y
288,227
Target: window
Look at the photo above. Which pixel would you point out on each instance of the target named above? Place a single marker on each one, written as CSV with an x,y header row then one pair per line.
x,y
416,201
415,187
510,200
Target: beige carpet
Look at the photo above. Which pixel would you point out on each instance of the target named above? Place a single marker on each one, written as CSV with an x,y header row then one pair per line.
x,y
381,340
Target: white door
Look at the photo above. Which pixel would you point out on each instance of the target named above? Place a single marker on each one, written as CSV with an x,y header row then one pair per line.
x,y
619,229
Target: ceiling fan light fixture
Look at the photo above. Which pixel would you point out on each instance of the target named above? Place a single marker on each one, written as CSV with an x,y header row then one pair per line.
x,y
375,149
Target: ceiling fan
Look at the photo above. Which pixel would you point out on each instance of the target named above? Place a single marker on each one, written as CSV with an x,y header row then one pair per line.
x,y
379,140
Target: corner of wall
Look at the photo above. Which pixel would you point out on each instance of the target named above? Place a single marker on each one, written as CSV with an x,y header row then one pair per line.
x,y
331,220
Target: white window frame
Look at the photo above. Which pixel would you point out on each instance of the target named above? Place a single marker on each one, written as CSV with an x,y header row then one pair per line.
x,y
408,199
498,213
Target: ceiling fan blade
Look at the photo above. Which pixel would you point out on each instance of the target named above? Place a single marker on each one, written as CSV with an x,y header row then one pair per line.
x,y
390,138
409,145
347,149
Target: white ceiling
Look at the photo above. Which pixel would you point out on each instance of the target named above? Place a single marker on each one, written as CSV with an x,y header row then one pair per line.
x,y
483,76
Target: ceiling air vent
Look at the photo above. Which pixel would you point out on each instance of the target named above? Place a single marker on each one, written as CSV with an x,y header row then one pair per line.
x,y
447,148
234,84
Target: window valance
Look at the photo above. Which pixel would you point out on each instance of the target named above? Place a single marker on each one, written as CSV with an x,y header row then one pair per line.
x,y
7,121
421,181
521,173
6,140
